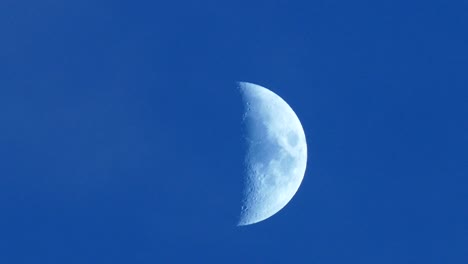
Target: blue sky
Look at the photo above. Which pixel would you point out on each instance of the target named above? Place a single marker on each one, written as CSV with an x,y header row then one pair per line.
x,y
120,137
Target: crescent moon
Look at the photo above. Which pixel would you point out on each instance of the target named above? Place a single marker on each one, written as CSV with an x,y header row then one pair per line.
x,y
276,154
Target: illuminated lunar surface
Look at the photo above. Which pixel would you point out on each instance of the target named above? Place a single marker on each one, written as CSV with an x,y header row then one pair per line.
x,y
276,156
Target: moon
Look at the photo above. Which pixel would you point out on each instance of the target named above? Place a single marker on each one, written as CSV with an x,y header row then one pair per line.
x,y
276,156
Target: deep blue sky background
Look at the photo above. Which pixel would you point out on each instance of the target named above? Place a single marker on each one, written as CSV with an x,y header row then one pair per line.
x,y
120,137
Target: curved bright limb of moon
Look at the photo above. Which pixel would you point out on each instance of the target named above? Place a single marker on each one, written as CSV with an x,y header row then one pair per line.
x,y
276,154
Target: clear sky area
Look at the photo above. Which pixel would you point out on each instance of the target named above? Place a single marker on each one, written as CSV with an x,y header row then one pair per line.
x,y
121,137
